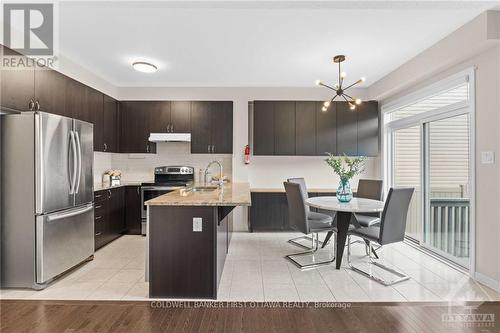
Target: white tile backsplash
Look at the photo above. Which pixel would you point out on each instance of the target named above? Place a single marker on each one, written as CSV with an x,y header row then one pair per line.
x,y
102,163
140,167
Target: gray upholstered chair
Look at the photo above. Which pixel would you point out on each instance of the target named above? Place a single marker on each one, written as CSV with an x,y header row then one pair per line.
x,y
391,230
369,189
310,215
300,221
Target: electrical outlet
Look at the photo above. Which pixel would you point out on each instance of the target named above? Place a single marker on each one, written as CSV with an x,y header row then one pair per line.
x,y
197,224
488,157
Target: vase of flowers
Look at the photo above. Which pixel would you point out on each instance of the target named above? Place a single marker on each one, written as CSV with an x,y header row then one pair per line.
x,y
346,168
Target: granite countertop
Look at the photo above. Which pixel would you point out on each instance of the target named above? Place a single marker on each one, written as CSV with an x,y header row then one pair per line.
x,y
232,194
282,190
101,187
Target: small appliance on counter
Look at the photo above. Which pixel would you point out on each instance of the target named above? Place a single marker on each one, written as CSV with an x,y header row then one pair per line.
x,y
112,177
167,179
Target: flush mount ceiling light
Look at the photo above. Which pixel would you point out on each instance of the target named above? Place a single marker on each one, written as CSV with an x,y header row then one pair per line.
x,y
339,87
144,67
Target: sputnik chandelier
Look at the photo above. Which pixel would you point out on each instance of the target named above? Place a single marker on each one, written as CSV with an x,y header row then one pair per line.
x,y
339,87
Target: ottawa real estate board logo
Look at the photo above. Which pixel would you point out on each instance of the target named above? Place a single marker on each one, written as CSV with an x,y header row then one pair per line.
x,y
28,28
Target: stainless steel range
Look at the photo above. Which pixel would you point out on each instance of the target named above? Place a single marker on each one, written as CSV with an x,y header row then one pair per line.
x,y
167,179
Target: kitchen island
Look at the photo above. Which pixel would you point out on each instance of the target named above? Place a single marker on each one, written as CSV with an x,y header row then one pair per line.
x,y
189,231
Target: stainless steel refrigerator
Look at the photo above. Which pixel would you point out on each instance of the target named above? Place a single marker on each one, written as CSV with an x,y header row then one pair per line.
x,y
47,212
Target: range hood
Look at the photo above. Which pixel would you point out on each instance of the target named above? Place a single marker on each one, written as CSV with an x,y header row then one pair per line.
x,y
170,137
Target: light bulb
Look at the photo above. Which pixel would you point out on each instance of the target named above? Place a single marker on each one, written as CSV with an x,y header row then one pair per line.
x,y
324,108
358,101
363,79
318,82
336,86
326,104
352,106
343,74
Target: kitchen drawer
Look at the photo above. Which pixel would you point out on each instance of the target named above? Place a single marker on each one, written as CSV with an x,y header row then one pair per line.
x,y
101,195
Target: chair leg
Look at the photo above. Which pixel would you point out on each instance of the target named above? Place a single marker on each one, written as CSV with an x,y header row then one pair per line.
x,y
401,276
314,249
294,242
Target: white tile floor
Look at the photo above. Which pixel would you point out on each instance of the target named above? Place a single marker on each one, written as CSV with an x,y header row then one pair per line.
x,y
256,270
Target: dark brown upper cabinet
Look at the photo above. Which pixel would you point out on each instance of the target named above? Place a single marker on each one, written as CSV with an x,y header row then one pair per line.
x,y
17,82
347,130
110,125
263,128
95,115
159,116
212,127
222,127
305,128
76,100
50,91
135,127
368,128
180,116
284,128
302,128
326,129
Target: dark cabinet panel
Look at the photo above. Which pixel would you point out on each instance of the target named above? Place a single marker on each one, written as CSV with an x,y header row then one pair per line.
x,y
135,128
201,127
284,128
326,130
133,208
159,116
222,127
17,81
110,125
76,100
368,129
117,212
101,217
305,131
109,215
347,130
94,105
263,128
180,116
269,211
50,87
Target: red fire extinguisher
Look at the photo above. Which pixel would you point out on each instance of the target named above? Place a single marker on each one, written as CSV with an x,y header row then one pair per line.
x,y
247,154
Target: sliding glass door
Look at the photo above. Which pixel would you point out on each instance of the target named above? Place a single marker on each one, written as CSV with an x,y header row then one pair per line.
x,y
446,228
428,147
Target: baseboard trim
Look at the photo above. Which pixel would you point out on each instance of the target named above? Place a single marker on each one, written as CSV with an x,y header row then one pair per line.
x,y
487,281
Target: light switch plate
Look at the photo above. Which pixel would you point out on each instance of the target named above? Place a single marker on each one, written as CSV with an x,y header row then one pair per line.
x,y
197,224
488,157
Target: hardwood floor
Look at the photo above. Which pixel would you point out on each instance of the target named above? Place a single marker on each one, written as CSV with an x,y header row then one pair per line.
x,y
103,316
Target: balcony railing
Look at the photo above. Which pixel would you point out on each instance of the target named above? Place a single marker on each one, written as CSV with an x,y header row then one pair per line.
x,y
449,226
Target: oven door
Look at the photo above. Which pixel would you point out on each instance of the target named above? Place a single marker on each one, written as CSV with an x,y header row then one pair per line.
x,y
148,193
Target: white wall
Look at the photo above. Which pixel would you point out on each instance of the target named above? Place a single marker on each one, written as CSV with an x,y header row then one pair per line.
x,y
441,60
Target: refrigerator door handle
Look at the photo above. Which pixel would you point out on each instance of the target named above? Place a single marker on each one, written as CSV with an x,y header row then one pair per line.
x,y
73,150
72,213
79,147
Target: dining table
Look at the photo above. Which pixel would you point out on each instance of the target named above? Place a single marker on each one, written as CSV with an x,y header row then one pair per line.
x,y
344,216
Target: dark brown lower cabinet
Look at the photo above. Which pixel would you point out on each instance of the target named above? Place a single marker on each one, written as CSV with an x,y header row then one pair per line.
x,y
185,263
109,215
133,207
269,211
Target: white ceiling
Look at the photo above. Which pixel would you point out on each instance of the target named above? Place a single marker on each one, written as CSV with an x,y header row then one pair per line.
x,y
251,43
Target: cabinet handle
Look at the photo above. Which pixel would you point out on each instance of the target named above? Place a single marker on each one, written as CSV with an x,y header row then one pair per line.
x,y
37,105
98,218
98,233
109,194
98,206
138,189
31,105
98,195
171,127
208,148
213,148
147,148
105,147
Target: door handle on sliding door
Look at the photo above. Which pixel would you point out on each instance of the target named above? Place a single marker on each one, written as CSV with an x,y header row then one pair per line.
x,y
73,175
79,147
